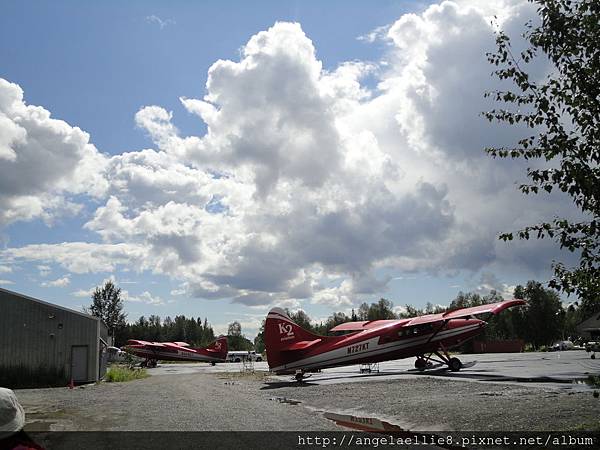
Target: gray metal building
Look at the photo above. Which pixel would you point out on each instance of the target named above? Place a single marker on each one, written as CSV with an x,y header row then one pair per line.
x,y
42,344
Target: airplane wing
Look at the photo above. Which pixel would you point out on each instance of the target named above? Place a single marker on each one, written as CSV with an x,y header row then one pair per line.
x,y
138,342
463,313
493,308
154,344
170,345
366,325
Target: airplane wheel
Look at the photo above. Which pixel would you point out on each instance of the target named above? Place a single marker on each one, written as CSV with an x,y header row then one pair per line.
x,y
454,364
213,364
152,363
593,356
420,364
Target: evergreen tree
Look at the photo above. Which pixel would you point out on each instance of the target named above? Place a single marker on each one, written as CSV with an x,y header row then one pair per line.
x,y
107,304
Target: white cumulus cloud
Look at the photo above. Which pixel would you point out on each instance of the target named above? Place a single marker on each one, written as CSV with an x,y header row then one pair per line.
x,y
307,182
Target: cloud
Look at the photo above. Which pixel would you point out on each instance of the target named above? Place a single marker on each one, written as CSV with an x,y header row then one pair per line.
x,y
43,161
5,282
81,293
377,34
81,257
60,282
44,270
145,297
153,19
307,182
266,113
489,282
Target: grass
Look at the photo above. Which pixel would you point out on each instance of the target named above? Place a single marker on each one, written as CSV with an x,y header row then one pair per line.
x,y
117,374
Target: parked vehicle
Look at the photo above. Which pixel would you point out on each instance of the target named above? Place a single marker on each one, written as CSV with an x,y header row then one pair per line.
x,y
239,356
563,345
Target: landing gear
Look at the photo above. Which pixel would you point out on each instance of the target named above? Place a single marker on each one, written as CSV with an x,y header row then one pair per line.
x,y
593,356
454,364
420,363
150,363
213,363
300,376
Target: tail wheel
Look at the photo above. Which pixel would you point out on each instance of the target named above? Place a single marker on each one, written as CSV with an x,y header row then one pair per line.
x,y
454,364
300,376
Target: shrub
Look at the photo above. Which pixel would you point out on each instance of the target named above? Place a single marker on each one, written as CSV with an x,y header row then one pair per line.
x,y
117,374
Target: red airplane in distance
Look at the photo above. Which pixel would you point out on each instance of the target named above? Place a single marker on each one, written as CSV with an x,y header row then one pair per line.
x,y
293,350
177,351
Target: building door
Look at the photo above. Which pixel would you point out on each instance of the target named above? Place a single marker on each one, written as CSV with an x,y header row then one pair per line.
x,y
79,363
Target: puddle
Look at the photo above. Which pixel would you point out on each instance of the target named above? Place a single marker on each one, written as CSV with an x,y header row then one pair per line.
x,y
375,425
285,400
371,424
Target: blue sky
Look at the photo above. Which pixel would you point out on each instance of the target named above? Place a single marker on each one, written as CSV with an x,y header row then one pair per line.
x,y
341,142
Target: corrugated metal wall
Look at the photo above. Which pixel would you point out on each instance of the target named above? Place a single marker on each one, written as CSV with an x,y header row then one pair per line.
x,y
35,333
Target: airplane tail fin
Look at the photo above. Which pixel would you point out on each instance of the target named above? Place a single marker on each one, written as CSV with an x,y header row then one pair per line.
x,y
284,339
219,347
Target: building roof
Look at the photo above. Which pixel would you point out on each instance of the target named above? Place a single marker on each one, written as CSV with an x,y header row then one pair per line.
x,y
592,323
52,305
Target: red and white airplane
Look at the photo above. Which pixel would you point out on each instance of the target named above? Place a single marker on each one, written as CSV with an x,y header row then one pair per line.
x,y
293,350
177,351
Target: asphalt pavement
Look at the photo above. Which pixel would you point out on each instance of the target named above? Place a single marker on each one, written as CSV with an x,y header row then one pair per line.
x,y
567,369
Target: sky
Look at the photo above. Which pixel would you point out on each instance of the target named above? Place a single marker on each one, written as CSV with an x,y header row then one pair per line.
x,y
216,159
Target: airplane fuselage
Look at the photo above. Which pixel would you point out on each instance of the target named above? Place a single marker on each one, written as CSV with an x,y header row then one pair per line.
x,y
171,354
382,344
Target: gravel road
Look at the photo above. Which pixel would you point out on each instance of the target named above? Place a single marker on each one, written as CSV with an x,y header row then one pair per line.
x,y
221,401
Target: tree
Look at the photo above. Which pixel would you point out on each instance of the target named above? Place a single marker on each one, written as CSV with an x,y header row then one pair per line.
x,y
301,319
234,329
563,113
541,323
381,310
236,340
332,321
467,300
107,304
363,311
259,340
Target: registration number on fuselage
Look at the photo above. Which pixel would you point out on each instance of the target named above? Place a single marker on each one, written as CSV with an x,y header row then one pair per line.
x,y
358,348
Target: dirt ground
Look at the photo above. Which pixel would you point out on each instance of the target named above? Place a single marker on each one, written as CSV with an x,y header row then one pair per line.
x,y
222,401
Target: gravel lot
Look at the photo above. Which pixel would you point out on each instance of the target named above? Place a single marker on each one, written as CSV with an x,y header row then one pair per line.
x,y
231,401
